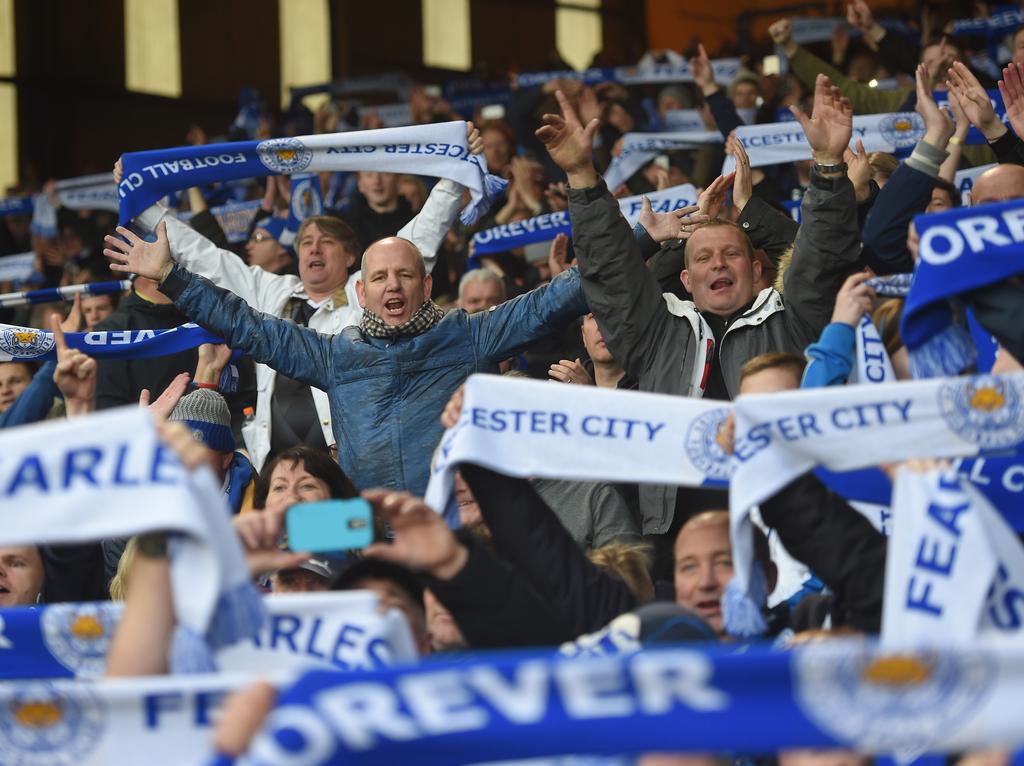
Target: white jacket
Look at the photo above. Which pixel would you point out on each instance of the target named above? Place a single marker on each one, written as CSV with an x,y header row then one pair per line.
x,y
270,293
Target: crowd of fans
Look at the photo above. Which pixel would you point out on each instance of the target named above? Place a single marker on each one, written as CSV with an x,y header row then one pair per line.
x,y
362,330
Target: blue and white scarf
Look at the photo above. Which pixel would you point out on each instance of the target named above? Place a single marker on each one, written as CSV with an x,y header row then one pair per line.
x,y
113,464
781,436
960,250
545,227
167,721
640,148
31,344
844,694
305,201
56,294
1002,20
344,631
954,568
94,192
532,428
725,71
16,206
779,142
434,150
17,268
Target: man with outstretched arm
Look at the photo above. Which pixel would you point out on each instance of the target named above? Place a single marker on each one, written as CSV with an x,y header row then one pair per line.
x,y
697,347
388,378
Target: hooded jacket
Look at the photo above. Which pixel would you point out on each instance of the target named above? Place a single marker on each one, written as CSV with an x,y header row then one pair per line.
x,y
667,345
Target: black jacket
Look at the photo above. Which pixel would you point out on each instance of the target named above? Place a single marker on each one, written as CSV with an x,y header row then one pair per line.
x,y
543,590
370,225
823,531
120,381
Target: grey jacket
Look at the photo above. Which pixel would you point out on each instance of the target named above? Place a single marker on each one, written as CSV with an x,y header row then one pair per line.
x,y
665,343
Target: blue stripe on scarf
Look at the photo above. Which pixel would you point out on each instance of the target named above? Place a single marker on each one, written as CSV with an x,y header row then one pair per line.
x,y
16,206
29,343
823,695
960,250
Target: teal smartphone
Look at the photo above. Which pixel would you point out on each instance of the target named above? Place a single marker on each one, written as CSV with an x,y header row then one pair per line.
x,y
329,525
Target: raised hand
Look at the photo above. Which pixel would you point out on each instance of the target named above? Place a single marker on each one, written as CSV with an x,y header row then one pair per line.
x,y
858,15
75,374
859,171
782,35
168,400
677,224
212,359
259,534
73,322
743,185
422,542
569,143
853,299
830,125
147,259
473,139
712,199
937,126
558,254
965,88
1012,89
703,74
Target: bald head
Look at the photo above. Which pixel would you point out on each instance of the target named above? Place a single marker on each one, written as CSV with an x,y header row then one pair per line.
x,y
389,246
393,283
1002,183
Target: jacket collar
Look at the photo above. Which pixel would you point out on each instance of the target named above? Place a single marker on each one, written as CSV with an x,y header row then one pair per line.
x,y
338,299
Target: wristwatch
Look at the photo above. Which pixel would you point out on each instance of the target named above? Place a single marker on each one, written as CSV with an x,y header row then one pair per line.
x,y
839,167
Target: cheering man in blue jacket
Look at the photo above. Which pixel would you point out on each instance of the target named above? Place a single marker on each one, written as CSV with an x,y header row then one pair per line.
x,y
387,378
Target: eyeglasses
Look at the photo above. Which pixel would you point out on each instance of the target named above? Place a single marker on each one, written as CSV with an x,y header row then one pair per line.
x,y
259,236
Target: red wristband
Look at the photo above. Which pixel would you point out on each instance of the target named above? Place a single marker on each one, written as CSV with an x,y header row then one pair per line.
x,y
211,386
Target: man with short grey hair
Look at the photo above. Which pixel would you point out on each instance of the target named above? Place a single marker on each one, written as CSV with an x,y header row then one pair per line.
x,y
481,289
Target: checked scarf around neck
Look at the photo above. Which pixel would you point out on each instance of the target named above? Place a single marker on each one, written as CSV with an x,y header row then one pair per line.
x,y
425,318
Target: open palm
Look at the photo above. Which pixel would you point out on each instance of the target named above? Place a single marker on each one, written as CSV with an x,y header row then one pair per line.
x,y
147,259
830,125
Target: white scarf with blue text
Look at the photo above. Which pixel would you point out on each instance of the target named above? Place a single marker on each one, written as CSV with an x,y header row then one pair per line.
x,y
640,148
438,150
340,631
954,567
852,427
545,227
779,142
108,475
536,429
960,250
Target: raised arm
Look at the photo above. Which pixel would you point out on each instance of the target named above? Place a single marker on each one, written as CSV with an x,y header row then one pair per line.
x,y
827,247
623,295
806,66
506,329
909,188
823,531
527,533
297,352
